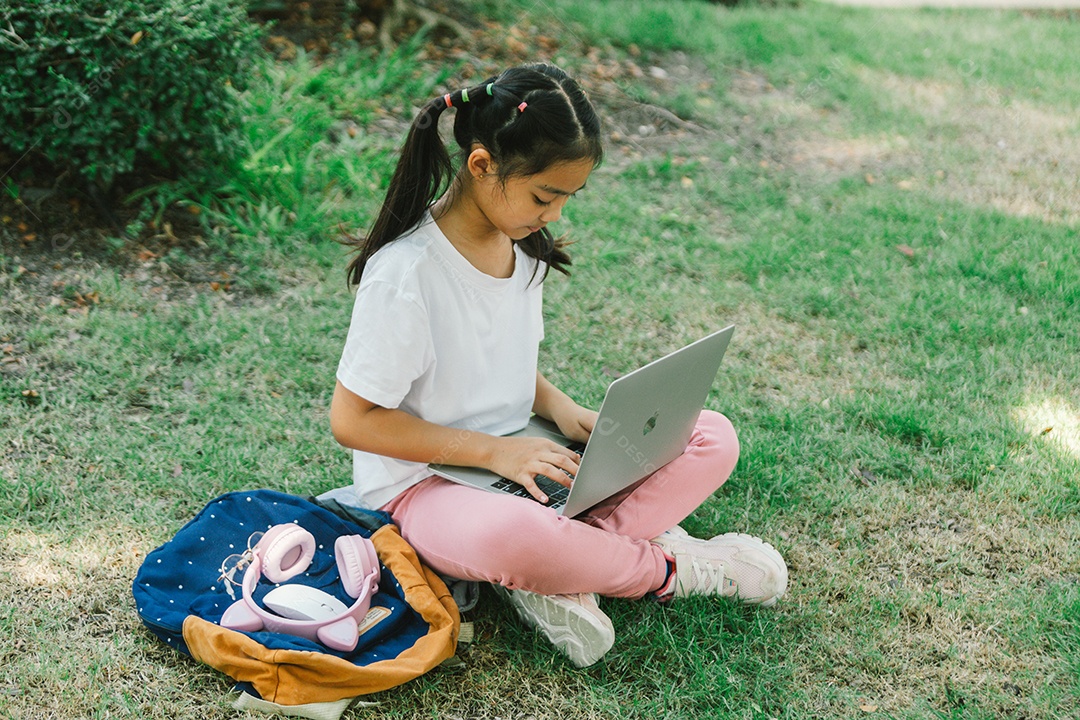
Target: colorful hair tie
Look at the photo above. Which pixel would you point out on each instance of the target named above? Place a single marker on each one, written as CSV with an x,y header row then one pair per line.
x,y
465,95
522,106
489,87
446,97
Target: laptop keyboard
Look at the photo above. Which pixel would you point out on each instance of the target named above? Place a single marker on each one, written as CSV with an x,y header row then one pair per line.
x,y
556,493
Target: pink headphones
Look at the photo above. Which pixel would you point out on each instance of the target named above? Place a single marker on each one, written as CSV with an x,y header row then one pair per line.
x,y
286,551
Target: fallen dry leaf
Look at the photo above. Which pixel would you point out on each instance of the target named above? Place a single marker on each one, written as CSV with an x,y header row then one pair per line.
x,y
906,250
84,300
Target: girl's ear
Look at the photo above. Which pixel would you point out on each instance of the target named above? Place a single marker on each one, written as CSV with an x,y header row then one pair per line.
x,y
480,162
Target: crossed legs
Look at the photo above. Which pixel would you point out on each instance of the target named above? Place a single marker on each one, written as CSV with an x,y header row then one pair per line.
x,y
520,544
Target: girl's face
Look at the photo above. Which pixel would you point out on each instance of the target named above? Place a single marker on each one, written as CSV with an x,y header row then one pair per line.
x,y
529,203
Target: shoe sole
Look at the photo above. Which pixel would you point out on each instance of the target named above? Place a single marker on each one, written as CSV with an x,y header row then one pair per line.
x,y
778,562
582,637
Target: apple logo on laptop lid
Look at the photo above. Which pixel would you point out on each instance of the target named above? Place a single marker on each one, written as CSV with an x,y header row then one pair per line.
x,y
650,423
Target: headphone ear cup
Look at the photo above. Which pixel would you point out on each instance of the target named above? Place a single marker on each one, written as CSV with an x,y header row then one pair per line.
x,y
286,551
356,559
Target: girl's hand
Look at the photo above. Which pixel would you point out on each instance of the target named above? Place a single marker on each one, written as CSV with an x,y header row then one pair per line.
x,y
521,459
576,422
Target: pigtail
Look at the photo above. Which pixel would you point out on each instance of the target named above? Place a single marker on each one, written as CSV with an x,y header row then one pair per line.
x,y
422,174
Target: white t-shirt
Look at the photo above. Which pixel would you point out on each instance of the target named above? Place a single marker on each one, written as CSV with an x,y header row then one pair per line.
x,y
441,340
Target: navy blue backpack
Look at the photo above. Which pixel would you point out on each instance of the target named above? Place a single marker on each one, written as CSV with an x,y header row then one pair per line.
x,y
184,587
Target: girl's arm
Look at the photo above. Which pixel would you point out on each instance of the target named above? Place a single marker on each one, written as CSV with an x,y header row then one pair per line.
x,y
551,403
362,425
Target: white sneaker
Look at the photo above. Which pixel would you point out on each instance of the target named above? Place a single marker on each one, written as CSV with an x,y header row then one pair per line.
x,y
574,624
732,565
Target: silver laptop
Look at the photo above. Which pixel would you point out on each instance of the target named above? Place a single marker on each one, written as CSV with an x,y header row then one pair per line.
x,y
645,422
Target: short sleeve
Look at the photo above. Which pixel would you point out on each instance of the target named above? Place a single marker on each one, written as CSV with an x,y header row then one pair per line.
x,y
388,346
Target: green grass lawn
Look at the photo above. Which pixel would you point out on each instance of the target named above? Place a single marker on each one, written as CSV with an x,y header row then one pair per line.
x,y
884,204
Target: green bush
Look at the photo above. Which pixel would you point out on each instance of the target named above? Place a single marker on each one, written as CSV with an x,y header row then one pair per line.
x,y
102,89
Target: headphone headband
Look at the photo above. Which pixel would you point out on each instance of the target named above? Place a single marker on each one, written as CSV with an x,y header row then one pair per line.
x,y
358,566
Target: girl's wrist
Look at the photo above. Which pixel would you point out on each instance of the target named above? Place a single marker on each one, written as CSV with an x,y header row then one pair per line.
x,y
485,448
563,407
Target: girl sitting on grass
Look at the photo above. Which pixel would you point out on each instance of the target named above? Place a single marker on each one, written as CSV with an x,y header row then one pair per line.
x,y
441,362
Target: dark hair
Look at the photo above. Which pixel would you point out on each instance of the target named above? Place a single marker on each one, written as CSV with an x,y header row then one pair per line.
x,y
559,125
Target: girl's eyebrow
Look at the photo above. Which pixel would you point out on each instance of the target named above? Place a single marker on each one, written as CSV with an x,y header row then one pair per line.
x,y
557,191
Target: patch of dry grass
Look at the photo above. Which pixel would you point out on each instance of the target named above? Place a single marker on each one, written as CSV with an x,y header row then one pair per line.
x,y
914,592
73,646
973,142
1023,158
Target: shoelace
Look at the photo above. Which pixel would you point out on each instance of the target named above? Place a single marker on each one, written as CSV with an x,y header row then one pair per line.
x,y
707,577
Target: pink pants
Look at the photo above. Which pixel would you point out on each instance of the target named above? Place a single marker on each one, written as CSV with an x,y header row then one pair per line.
x,y
517,542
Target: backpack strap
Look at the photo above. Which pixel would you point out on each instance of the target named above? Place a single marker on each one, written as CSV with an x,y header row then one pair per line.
x,y
247,701
343,503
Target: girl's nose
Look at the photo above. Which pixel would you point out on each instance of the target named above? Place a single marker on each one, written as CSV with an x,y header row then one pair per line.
x,y
553,212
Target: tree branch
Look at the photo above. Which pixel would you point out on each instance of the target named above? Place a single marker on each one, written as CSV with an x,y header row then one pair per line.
x,y
400,10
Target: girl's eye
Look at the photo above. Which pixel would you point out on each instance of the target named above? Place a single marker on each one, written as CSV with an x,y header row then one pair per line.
x,y
541,202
